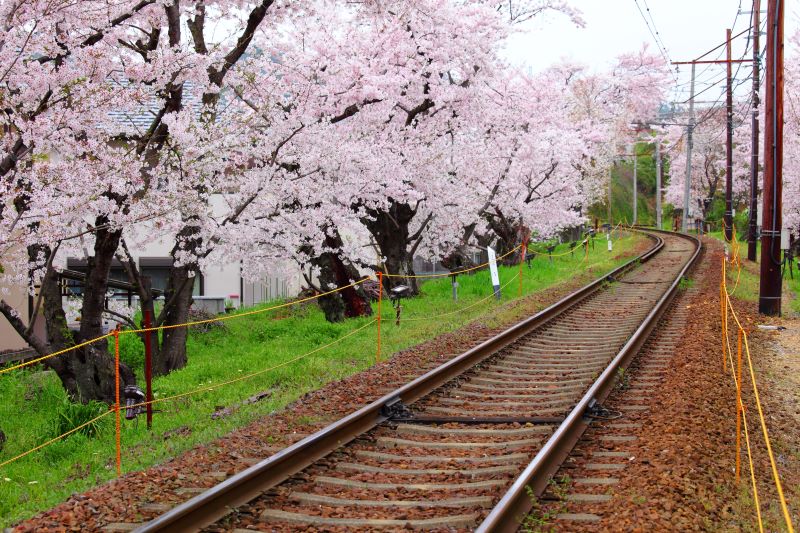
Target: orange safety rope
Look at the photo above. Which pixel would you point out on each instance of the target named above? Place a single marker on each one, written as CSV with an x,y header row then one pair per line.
x,y
776,477
115,410
380,302
185,324
738,404
254,374
118,421
749,448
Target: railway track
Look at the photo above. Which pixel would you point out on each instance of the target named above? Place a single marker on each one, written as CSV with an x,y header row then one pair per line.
x,y
469,444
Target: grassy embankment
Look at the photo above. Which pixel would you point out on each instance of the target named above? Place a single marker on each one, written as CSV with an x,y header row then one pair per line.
x,y
622,191
34,408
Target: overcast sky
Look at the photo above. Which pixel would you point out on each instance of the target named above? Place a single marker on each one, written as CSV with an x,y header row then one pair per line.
x,y
688,28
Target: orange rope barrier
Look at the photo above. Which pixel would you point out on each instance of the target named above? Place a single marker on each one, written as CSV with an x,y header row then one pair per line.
x,y
254,374
727,305
380,301
185,324
738,405
116,408
118,420
55,439
737,383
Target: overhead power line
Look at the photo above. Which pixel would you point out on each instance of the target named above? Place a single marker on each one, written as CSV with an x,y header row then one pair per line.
x,y
654,34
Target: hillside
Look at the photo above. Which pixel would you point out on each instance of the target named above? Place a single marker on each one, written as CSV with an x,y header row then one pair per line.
x,y
622,191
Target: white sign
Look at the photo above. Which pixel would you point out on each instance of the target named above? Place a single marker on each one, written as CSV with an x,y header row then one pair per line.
x,y
493,271
785,239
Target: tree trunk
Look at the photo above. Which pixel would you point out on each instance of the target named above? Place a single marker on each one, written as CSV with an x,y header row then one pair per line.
x,y
58,334
509,234
335,272
92,366
177,301
87,373
178,297
390,229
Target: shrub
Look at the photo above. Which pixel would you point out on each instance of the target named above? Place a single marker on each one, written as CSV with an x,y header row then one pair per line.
x,y
197,315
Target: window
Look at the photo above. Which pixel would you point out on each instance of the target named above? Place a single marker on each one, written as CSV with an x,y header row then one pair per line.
x,y
157,269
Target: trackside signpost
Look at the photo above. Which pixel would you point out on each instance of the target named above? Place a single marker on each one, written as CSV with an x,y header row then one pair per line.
x,y
493,271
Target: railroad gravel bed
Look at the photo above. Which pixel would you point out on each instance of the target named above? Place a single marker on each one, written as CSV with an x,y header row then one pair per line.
x,y
139,496
330,496
674,470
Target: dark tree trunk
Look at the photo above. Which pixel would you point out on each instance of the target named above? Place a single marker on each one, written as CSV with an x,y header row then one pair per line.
x,y
509,234
390,229
144,289
172,353
58,334
87,373
177,302
96,282
336,272
92,365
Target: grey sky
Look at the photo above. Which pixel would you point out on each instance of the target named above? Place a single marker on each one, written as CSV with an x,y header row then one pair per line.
x,y
688,28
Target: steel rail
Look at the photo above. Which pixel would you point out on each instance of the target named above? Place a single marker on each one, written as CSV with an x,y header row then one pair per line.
x,y
517,502
215,503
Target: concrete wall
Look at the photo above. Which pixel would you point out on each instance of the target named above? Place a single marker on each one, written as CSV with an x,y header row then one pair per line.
x,y
17,297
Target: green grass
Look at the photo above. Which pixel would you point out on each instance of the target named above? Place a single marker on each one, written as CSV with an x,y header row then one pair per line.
x,y
33,406
749,278
622,191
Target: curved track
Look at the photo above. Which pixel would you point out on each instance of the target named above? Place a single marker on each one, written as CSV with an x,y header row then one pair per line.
x,y
464,446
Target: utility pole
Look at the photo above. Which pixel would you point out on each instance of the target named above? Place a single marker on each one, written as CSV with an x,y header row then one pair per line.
x,y
769,302
728,217
689,132
690,128
752,234
658,184
635,186
610,179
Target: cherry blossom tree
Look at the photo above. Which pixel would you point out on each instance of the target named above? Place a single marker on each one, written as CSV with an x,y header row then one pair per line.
x,y
791,150
393,113
338,137
73,73
709,160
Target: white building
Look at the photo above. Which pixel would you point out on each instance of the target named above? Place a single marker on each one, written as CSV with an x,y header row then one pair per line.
x,y
214,287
